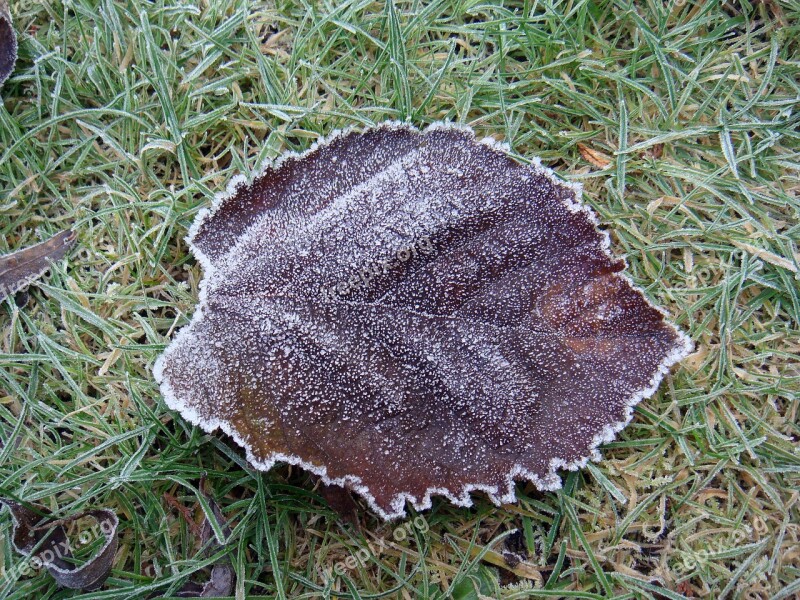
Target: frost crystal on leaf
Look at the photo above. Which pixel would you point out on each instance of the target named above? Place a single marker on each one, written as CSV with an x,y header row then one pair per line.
x,y
410,313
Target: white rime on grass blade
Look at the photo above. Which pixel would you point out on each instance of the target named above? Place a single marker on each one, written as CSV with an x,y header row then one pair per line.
x,y
502,343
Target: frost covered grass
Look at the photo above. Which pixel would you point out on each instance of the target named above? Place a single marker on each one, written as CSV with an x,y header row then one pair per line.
x,y
679,118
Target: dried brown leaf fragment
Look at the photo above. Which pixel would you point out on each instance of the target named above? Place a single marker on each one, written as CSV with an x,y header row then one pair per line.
x,y
21,268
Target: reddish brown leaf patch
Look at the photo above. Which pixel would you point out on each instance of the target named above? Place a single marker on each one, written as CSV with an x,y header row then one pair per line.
x,y
413,313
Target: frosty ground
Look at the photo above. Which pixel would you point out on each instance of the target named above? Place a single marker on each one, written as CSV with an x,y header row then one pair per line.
x,y
679,119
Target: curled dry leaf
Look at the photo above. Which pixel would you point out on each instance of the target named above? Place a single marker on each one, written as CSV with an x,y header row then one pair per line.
x,y
8,43
411,314
44,539
23,267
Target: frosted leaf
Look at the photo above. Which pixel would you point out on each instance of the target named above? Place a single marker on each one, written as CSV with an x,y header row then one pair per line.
x,y
8,43
411,313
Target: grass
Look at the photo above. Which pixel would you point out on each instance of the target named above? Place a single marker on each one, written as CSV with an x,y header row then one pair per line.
x,y
123,118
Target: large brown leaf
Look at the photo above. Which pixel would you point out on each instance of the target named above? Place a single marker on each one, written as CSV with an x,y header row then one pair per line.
x,y
8,43
413,313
